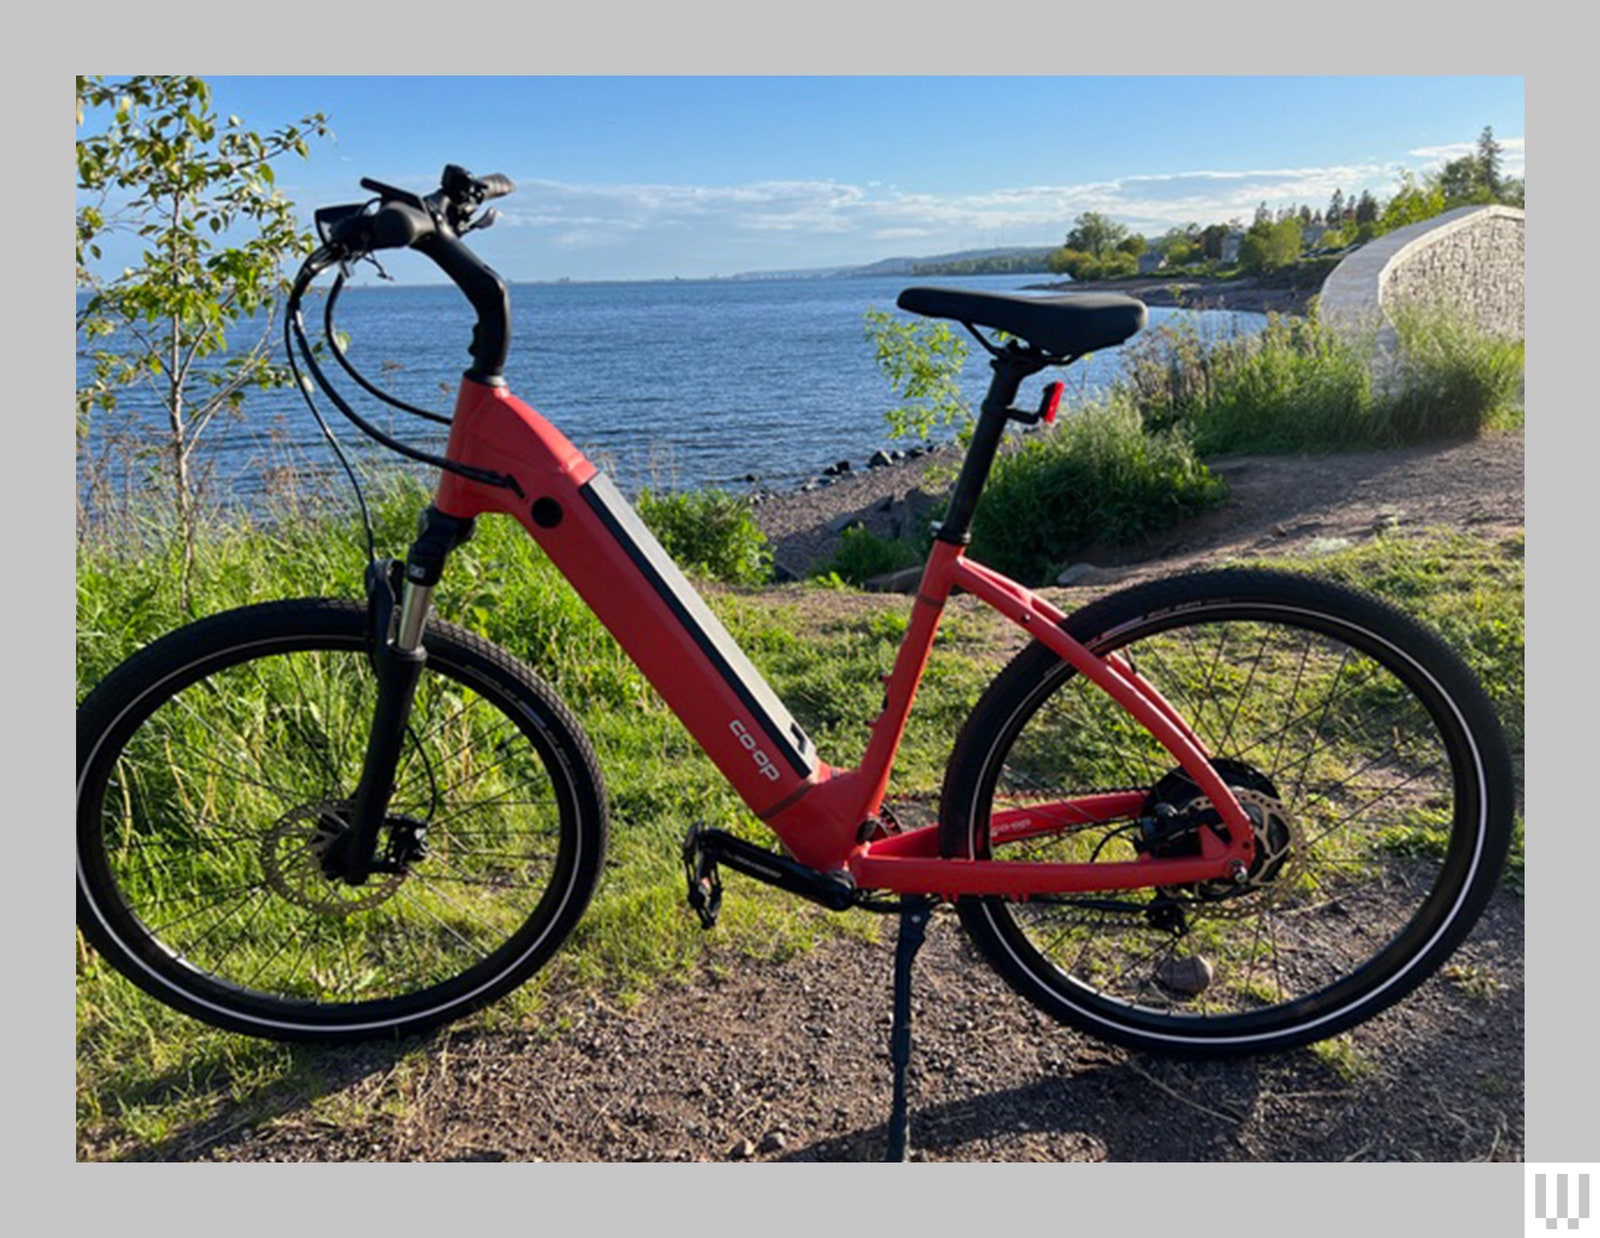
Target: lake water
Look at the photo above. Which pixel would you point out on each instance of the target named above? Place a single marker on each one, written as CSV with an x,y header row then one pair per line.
x,y
687,383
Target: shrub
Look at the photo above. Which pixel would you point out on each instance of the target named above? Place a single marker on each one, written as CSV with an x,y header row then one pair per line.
x,y
864,555
1098,478
1298,386
709,533
1453,377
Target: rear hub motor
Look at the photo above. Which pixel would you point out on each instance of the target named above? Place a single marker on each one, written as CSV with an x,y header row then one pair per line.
x,y
1177,810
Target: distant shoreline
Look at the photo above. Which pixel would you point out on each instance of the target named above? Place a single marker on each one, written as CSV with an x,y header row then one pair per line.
x,y
1246,295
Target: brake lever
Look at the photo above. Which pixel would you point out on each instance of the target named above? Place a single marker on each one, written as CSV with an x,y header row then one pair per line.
x,y
485,220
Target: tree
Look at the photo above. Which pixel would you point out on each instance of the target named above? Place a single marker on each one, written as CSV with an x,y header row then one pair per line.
x,y
1180,245
1489,162
200,196
1461,182
922,361
1411,203
1270,246
1095,234
1367,208
1211,238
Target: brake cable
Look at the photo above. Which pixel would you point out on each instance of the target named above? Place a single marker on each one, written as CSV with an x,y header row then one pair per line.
x,y
339,354
292,320
485,476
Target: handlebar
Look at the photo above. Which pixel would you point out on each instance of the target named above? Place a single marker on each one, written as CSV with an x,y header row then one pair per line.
x,y
403,219
433,226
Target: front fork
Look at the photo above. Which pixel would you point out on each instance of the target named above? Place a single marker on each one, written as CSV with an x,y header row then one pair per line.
x,y
395,637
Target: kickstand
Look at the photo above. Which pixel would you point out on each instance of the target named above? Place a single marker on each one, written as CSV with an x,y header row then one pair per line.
x,y
914,915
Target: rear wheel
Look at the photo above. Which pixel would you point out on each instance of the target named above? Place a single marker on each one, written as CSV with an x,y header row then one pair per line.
x,y
1366,755
215,775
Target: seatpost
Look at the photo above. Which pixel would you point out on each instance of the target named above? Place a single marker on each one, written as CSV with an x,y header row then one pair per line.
x,y
1011,365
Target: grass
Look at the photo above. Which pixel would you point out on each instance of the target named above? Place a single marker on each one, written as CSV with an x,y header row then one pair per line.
x,y
1341,1057
862,555
709,533
150,1080
1097,478
1298,386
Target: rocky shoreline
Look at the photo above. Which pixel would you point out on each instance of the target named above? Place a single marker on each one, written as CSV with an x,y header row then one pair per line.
x,y
890,496
1244,295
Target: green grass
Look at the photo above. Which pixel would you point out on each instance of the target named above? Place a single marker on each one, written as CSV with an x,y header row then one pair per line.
x,y
862,555
150,1080
709,533
1297,386
147,1076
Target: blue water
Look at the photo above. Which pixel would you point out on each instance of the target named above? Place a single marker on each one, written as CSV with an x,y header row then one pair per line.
x,y
687,383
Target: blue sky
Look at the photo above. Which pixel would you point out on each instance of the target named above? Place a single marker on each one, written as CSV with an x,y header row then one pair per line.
x,y
637,177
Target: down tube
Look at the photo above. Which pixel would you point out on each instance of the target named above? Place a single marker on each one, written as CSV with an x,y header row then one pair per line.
x,y
599,543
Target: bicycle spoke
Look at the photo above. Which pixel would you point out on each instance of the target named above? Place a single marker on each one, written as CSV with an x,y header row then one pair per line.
x,y
215,814
1340,751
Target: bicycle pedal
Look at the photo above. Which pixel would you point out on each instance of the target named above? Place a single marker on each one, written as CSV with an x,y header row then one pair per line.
x,y
705,882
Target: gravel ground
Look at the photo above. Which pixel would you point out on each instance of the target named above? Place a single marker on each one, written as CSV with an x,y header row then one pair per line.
x,y
789,1061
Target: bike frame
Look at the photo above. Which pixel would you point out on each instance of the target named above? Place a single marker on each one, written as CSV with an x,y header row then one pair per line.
x,y
825,817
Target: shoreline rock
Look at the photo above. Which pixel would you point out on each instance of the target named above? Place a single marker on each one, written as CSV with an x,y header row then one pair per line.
x,y
807,523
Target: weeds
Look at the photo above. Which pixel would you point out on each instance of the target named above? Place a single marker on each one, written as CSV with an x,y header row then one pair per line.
x,y
709,533
1300,386
863,555
1097,478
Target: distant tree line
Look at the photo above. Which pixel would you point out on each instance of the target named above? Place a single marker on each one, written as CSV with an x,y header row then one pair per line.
x,y
1099,248
1017,262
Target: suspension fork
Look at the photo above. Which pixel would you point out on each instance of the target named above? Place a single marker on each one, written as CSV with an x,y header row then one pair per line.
x,y
396,633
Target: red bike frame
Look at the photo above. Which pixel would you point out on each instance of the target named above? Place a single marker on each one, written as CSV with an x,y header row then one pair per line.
x,y
822,815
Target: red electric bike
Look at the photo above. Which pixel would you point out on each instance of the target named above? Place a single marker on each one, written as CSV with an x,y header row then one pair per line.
x,y
1227,812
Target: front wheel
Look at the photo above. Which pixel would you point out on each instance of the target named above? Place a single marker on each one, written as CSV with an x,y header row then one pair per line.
x,y
216,770
1366,755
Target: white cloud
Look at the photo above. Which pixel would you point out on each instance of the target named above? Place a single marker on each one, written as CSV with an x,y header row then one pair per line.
x,y
815,222
1512,154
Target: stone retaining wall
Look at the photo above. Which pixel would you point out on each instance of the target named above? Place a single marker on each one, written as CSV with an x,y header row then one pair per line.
x,y
1469,258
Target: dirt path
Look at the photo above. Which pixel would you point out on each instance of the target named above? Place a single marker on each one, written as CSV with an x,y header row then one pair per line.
x,y
1277,504
788,1061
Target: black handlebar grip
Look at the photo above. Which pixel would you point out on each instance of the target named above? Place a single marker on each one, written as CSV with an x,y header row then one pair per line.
x,y
395,226
392,226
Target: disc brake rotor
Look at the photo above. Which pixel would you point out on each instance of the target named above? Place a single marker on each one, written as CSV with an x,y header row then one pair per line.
x,y
1269,870
292,854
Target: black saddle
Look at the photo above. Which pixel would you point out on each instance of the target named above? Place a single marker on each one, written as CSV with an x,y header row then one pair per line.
x,y
1062,324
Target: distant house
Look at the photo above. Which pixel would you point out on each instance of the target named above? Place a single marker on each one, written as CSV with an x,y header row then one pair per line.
x,y
1230,246
1151,261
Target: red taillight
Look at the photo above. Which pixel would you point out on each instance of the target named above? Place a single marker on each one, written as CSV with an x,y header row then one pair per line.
x,y
1051,402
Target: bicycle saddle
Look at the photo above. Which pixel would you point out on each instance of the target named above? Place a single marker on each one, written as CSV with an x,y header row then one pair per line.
x,y
1064,325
